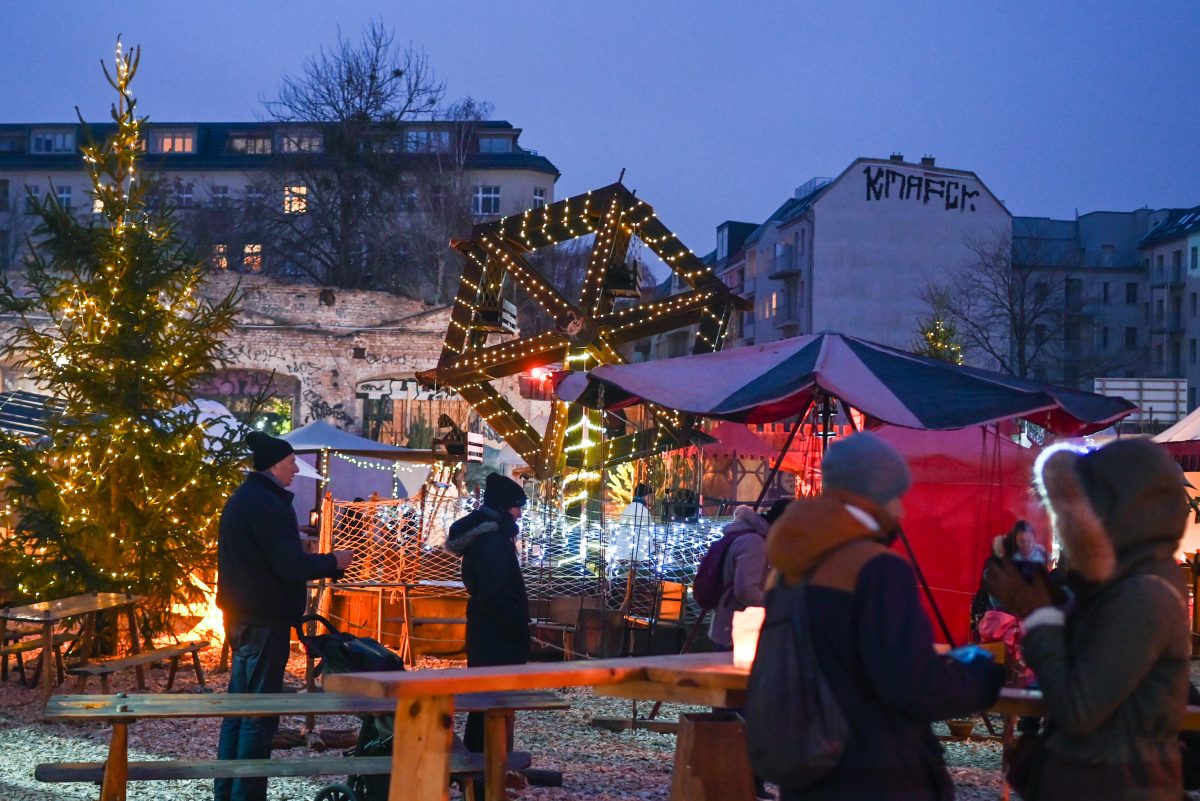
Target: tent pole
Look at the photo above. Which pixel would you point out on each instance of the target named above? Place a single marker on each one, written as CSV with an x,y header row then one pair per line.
x,y
937,612
779,459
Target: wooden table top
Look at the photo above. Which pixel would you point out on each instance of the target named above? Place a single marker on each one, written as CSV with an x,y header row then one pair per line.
x,y
63,608
708,670
176,705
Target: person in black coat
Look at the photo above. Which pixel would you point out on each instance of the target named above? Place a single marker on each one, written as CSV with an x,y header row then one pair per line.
x,y
497,607
262,574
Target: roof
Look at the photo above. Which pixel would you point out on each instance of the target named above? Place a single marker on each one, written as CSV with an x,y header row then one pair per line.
x,y
212,152
1180,223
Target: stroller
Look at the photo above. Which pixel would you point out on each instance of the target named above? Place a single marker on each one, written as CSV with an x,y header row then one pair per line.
x,y
345,653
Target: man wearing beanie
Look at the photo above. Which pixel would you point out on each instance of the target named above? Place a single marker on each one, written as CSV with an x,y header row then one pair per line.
x,y
498,608
262,572
872,639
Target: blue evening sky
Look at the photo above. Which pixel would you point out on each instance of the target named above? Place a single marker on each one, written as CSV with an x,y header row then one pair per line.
x,y
717,110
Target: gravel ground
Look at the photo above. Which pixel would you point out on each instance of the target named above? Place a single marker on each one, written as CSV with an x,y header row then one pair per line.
x,y
597,765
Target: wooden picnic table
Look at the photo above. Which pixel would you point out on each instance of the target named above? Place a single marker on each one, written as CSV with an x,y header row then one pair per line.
x,y
88,606
122,710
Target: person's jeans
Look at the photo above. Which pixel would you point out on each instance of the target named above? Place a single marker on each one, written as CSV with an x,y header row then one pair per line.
x,y
260,655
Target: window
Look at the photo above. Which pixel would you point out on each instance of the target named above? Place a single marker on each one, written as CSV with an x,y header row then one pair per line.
x,y
62,194
539,200
1195,263
1176,259
254,194
722,243
183,196
1104,338
1104,292
1131,292
1191,351
220,256
5,244
295,199
1073,293
33,194
774,303
53,141
172,142
4,194
303,142
751,258
1130,338
425,141
12,143
486,200
219,195
252,257
250,144
1107,255
495,144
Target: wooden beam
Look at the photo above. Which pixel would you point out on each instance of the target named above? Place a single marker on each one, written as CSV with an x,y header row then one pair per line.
x,y
421,746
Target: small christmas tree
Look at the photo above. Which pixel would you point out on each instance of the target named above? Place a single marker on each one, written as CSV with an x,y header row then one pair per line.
x,y
124,492
938,336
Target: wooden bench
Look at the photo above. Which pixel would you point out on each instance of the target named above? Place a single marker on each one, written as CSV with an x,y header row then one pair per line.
x,y
106,668
121,710
33,643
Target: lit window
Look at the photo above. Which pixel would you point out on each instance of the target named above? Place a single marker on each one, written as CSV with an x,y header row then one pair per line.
x,y
295,199
97,206
486,200
252,258
220,256
63,195
303,142
53,141
539,197
172,142
250,144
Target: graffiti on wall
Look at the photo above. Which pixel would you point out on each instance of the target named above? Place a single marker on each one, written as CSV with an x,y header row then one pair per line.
x,y
885,183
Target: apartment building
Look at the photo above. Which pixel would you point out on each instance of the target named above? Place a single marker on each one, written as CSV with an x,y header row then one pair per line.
x,y
209,165
1170,261
853,253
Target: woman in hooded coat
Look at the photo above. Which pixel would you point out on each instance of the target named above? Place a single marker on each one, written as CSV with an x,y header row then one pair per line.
x,y
1112,663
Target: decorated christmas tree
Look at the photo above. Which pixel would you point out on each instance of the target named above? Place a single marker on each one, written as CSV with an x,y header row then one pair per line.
x,y
124,492
937,334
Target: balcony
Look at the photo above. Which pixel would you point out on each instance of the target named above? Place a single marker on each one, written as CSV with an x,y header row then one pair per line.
x,y
784,263
786,317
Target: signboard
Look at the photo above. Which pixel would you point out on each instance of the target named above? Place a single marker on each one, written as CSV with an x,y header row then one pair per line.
x,y
1159,400
475,448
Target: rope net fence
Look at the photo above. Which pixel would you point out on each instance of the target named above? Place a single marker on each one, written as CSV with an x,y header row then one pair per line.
x,y
622,565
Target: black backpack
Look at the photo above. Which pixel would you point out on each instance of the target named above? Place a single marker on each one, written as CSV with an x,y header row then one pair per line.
x,y
795,730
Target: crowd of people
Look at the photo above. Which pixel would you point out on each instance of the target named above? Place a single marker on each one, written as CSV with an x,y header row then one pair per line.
x,y
1103,633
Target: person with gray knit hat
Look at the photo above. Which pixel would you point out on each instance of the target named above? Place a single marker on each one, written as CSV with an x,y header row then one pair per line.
x,y
1112,664
871,637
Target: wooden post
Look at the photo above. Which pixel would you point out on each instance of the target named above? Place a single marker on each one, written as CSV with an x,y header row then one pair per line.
x,y
1196,604
117,766
711,761
421,749
47,661
495,753
135,645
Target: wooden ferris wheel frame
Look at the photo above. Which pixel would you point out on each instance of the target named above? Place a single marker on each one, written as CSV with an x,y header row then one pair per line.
x,y
588,331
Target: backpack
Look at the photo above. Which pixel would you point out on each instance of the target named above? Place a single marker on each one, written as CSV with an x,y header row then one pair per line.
x,y
708,586
795,730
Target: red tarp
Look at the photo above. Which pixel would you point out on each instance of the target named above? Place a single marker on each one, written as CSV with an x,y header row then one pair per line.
x,y
968,486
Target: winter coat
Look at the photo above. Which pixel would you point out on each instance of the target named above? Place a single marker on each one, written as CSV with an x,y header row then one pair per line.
x,y
743,572
498,608
1114,672
875,647
262,569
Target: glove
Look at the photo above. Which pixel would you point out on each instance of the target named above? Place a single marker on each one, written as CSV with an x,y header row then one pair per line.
x,y
966,654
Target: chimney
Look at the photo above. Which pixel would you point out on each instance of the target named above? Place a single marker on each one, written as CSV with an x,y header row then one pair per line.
x,y
927,161
896,157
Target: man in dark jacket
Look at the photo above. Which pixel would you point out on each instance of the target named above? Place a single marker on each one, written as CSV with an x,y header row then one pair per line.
x,y
262,571
872,639
498,608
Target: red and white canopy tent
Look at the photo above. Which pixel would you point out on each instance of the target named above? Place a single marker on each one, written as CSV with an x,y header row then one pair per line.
x,y
1183,441
880,385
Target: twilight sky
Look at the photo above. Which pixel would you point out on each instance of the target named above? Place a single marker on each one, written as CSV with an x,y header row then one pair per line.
x,y
717,110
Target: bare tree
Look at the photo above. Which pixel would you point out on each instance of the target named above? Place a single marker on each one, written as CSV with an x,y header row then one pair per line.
x,y
332,212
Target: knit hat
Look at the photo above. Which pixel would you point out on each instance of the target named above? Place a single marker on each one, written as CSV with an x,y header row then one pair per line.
x,y
268,451
502,493
865,465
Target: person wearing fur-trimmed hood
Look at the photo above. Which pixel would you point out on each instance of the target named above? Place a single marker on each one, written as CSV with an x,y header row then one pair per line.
x,y
497,604
1113,663
743,572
